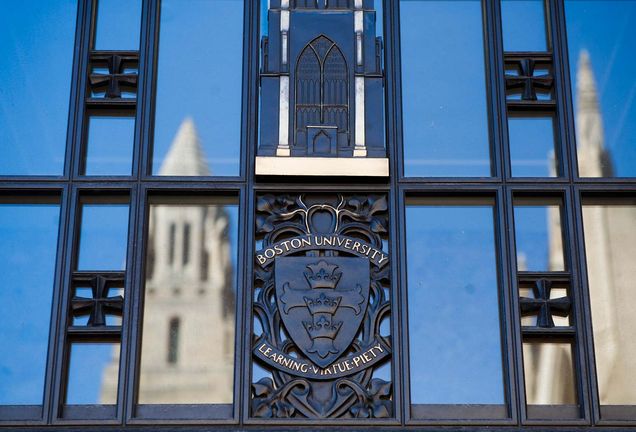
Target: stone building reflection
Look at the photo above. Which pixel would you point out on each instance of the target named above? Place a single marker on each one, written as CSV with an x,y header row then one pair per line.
x,y
610,240
187,348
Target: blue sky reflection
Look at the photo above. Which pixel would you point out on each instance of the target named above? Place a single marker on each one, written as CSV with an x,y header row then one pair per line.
x,y
200,76
455,342
36,47
605,29
445,116
27,264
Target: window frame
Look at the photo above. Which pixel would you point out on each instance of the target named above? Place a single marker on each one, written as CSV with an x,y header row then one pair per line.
x,y
140,185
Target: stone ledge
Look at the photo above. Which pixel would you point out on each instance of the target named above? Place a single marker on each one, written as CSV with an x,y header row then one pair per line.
x,y
322,166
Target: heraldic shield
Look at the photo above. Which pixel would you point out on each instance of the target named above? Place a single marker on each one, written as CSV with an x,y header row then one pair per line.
x,y
322,301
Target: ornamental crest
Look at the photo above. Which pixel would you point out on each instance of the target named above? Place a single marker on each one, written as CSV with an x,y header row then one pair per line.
x,y
321,309
328,299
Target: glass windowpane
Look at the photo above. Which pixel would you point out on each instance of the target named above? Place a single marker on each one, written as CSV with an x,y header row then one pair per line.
x,y
198,103
445,115
610,250
103,237
187,354
28,248
109,145
36,47
524,26
538,235
118,25
532,144
454,334
602,44
549,374
93,374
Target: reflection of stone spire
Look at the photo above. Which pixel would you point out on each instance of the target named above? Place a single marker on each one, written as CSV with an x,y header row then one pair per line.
x,y
188,326
185,156
592,156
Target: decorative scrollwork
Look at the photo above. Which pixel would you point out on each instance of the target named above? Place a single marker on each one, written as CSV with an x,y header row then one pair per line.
x,y
354,390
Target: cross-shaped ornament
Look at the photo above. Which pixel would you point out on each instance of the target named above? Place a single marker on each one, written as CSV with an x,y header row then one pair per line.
x,y
115,77
100,304
527,80
543,306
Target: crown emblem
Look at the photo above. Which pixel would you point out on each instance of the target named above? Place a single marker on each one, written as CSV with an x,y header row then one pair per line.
x,y
322,328
323,275
322,304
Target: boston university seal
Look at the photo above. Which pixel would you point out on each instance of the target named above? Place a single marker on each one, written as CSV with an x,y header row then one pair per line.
x,y
321,296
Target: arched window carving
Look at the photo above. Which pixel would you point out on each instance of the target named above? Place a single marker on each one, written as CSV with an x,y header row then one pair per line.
x,y
322,86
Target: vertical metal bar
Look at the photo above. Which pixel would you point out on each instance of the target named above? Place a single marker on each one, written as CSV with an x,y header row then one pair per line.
x,y
244,397
399,307
517,351
61,365
497,112
393,88
507,303
242,364
504,211
586,382
68,211
56,308
129,287
586,337
572,257
146,103
399,330
563,150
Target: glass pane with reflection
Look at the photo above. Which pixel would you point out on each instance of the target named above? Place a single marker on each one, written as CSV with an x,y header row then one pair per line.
x,y
118,25
523,23
532,145
549,374
601,43
453,302
27,264
610,250
445,115
538,234
109,145
93,374
36,47
187,354
198,101
103,237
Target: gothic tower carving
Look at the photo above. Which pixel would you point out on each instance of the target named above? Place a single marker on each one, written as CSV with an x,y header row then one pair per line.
x,y
321,85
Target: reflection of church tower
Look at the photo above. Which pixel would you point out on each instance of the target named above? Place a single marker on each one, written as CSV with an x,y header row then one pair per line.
x,y
188,323
609,238
610,245
593,159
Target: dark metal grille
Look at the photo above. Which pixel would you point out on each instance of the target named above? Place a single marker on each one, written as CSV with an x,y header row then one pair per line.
x,y
322,76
